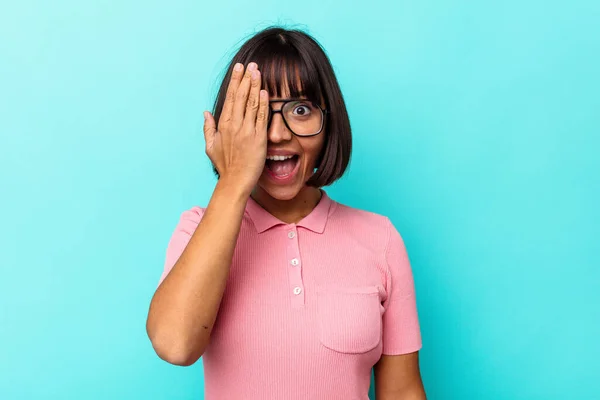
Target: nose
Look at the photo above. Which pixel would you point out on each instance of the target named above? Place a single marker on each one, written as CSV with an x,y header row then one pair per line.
x,y
278,132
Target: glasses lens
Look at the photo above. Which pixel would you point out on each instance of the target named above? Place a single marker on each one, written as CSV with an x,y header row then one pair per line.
x,y
303,117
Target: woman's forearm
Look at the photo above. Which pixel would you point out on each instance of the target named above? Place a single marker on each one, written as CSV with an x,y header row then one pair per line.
x,y
184,307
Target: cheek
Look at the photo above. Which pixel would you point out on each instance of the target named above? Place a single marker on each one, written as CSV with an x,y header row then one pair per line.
x,y
312,150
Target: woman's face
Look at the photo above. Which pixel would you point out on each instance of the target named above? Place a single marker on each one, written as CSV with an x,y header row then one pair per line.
x,y
284,177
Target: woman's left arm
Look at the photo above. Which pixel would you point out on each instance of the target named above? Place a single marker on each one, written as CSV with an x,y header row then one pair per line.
x,y
397,377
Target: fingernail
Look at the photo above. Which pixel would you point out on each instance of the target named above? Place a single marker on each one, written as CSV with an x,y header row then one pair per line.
x,y
238,67
205,114
255,74
252,66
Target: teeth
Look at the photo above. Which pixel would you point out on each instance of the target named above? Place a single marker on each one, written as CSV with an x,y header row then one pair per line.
x,y
279,158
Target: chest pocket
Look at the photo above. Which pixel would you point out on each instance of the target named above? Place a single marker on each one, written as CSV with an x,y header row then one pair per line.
x,y
349,319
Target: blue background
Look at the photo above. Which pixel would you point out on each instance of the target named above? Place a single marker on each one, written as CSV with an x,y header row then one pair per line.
x,y
476,128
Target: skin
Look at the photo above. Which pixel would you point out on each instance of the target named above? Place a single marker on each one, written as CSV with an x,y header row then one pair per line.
x,y
398,377
184,308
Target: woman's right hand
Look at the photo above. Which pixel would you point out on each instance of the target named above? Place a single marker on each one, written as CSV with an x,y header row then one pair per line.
x,y
238,146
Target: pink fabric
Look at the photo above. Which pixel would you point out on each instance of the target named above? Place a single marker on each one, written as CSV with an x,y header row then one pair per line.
x,y
309,308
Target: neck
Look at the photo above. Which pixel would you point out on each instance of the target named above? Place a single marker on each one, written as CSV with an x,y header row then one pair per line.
x,y
289,211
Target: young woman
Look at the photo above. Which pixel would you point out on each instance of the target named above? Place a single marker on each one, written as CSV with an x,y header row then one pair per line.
x,y
284,292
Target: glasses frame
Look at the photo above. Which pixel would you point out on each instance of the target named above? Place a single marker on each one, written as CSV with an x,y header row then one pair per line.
x,y
324,113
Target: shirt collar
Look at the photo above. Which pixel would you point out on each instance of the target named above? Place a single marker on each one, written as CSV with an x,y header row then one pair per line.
x,y
315,221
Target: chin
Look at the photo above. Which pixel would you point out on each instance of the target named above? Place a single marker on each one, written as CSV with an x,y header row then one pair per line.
x,y
281,192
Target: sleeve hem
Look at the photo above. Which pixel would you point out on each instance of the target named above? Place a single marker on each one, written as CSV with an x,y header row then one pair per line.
x,y
401,351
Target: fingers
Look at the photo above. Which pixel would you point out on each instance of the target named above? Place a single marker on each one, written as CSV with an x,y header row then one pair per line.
x,y
234,82
253,101
241,96
210,130
262,114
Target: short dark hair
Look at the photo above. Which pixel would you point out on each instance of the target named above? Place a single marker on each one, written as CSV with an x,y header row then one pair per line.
x,y
282,55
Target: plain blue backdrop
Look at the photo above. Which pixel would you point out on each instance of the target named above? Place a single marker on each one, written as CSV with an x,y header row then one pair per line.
x,y
476,129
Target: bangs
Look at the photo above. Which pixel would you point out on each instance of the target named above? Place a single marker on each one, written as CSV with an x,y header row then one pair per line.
x,y
282,67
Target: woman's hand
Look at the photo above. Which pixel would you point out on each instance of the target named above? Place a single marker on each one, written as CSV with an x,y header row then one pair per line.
x,y
238,146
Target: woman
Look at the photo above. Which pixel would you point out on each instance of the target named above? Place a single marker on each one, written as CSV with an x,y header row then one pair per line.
x,y
285,293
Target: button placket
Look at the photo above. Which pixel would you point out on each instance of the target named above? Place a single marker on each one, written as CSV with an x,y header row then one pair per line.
x,y
293,264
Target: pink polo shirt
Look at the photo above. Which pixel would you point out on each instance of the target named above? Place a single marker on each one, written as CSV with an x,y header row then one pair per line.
x,y
309,308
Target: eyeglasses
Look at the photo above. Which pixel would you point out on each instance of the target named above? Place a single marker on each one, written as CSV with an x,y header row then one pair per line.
x,y
302,117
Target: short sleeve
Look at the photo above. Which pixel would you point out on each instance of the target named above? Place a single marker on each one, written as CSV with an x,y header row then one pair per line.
x,y
188,222
401,331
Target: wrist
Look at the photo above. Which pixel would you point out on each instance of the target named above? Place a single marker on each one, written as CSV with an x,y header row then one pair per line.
x,y
233,190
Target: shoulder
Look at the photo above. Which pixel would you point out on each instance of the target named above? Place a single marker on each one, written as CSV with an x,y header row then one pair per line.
x,y
190,218
193,213
357,216
364,223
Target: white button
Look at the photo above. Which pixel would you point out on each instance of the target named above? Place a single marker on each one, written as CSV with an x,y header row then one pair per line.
x,y
297,290
291,235
294,262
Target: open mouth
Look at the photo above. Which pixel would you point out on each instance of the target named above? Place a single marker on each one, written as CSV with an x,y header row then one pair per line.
x,y
282,166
